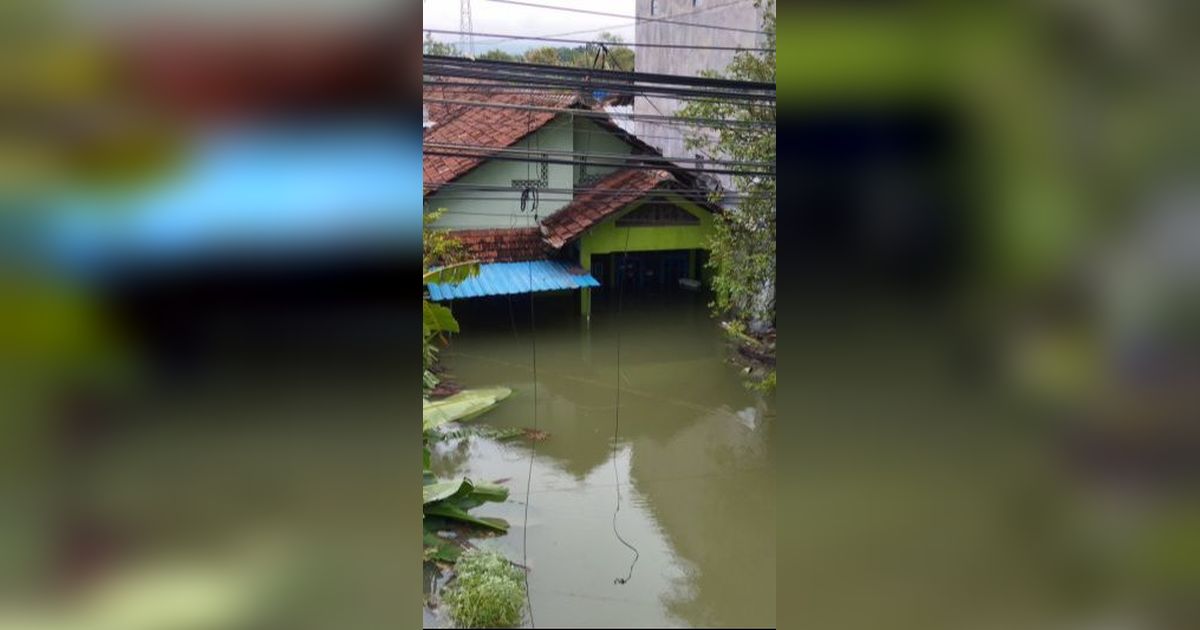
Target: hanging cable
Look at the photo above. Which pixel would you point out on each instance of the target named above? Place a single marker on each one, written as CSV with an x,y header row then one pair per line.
x,y
532,442
617,417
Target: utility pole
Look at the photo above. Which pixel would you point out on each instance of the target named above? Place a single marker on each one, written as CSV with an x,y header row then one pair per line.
x,y
466,40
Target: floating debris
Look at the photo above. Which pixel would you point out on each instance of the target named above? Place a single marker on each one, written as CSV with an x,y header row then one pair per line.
x,y
536,435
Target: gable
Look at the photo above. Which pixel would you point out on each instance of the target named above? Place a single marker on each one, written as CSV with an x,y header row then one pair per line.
x,y
488,125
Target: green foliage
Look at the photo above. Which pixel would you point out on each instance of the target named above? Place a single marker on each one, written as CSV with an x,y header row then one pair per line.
x,y
441,261
439,247
499,55
464,405
620,56
546,55
440,550
742,255
433,47
451,499
488,591
766,385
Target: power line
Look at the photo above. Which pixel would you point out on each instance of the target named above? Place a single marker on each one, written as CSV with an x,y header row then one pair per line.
x,y
633,17
592,41
586,113
523,82
610,75
619,159
643,166
507,75
667,194
457,189
516,215
610,27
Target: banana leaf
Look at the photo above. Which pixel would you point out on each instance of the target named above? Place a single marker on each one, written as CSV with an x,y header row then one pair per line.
x,y
437,318
443,490
446,510
464,405
451,274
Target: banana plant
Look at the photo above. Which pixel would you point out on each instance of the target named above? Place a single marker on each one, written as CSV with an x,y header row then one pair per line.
x,y
451,499
436,320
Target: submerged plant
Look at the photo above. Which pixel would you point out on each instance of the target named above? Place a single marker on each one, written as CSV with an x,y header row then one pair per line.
x,y
451,499
488,591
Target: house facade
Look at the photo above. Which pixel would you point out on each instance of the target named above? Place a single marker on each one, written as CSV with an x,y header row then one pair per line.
x,y
550,178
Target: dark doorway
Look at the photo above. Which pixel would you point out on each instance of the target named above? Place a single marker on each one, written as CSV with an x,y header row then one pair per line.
x,y
642,272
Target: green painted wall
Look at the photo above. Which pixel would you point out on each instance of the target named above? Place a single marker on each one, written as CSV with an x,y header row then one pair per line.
x,y
607,238
501,209
590,138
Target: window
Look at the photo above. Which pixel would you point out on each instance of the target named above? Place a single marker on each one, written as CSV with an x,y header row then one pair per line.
x,y
695,3
652,7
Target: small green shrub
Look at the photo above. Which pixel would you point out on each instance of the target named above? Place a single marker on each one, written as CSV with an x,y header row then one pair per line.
x,y
767,384
488,591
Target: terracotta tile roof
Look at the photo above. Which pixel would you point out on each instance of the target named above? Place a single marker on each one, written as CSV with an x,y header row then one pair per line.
x,y
598,202
503,245
480,126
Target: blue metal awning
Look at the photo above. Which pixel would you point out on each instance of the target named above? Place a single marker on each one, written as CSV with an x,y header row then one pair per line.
x,y
508,278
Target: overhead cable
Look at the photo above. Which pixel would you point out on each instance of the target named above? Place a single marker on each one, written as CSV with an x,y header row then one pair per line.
x,y
636,17
586,113
611,44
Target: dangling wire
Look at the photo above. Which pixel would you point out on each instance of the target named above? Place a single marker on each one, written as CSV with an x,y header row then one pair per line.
x,y
533,345
529,200
617,418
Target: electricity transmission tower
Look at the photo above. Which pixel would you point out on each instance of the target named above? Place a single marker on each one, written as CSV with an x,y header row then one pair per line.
x,y
466,41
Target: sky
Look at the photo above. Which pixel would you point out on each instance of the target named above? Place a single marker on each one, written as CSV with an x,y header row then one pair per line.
x,y
488,16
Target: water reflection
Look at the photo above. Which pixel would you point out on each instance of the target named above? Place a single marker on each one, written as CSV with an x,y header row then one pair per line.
x,y
692,456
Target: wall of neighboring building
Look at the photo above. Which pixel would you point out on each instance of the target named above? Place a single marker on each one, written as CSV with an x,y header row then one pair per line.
x,y
740,14
477,209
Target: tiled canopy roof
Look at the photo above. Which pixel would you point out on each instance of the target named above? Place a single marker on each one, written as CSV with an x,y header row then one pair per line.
x,y
502,245
484,126
600,201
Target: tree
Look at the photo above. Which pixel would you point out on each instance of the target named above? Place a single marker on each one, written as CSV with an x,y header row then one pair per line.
x,y
742,257
620,56
434,47
499,55
545,55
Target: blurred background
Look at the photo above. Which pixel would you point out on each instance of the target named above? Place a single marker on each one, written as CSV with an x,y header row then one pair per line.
x,y
989,304
990,299
209,208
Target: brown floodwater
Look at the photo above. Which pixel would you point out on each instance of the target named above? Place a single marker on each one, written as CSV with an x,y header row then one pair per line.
x,y
692,461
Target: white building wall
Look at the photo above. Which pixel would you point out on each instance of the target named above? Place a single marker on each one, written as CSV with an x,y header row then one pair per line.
x,y
740,14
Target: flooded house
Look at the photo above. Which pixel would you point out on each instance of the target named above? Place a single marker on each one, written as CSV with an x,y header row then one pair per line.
x,y
549,193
